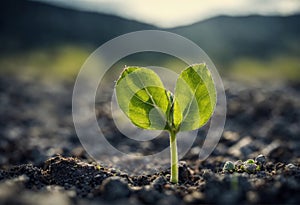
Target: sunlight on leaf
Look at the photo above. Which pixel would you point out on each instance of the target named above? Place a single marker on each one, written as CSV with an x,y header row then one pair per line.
x,y
142,97
195,97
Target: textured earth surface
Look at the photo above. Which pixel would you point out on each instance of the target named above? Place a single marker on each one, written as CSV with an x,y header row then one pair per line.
x,y
43,161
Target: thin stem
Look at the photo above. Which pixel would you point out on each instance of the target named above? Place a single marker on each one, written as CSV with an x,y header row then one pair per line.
x,y
174,157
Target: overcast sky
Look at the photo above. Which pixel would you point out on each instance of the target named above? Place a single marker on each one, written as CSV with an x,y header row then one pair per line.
x,y
172,13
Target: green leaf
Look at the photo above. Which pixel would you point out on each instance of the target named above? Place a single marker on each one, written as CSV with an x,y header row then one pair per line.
x,y
142,97
195,97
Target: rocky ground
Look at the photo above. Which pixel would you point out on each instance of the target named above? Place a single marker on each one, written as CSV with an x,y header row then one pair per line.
x,y
43,162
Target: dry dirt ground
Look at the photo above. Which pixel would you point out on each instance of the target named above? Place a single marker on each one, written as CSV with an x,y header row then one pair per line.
x,y
43,162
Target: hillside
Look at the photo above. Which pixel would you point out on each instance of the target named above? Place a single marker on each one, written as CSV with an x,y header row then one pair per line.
x,y
232,42
253,36
27,24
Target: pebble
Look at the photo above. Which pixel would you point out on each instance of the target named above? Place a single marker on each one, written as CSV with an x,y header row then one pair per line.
x,y
158,183
290,169
260,160
291,166
207,174
238,165
250,167
114,188
278,151
149,196
184,173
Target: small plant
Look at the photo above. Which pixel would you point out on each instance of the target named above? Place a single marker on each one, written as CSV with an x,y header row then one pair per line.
x,y
143,98
228,167
250,166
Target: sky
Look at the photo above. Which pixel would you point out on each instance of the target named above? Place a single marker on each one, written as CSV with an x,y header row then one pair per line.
x,y
173,13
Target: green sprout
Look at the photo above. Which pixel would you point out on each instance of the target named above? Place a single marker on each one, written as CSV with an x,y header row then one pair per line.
x,y
250,166
228,167
249,161
143,98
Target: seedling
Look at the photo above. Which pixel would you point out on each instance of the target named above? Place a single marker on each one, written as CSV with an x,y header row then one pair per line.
x,y
228,167
250,166
143,98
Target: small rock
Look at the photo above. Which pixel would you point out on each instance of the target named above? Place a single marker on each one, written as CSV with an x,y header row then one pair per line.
x,y
158,183
260,160
291,166
99,178
207,174
114,188
149,196
141,180
184,172
250,167
290,169
238,165
278,151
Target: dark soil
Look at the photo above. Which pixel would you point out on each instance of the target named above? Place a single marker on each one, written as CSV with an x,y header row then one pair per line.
x,y
43,162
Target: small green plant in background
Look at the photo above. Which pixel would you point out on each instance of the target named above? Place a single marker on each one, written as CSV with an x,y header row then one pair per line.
x,y
143,98
250,166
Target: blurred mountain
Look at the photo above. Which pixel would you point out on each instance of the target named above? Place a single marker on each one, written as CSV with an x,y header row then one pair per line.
x,y
27,25
253,36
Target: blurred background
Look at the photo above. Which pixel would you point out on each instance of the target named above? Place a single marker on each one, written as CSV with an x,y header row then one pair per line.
x,y
248,40
44,44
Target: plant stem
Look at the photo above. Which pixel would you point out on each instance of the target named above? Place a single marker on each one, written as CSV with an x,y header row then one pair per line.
x,y
174,157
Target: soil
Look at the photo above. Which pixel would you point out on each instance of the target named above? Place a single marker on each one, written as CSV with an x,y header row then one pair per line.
x,y
43,162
